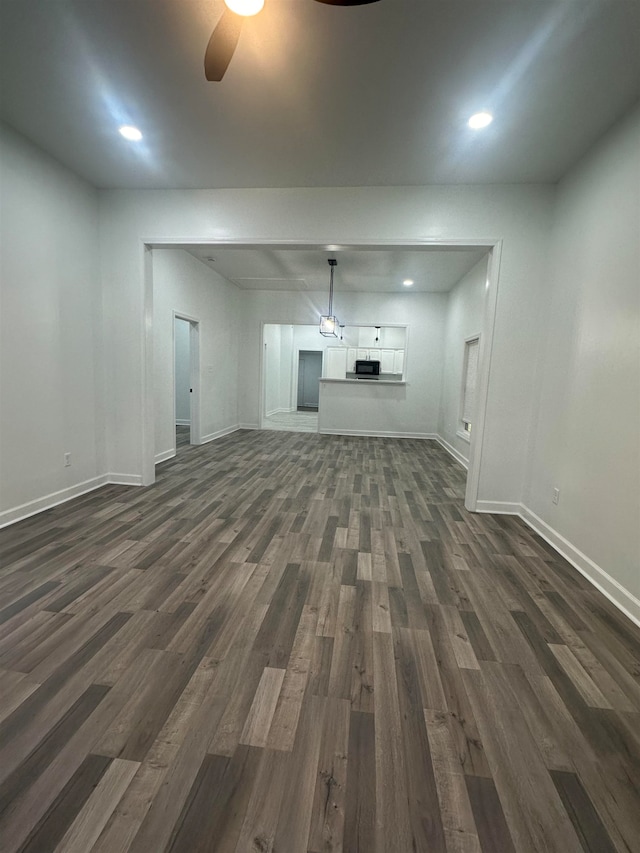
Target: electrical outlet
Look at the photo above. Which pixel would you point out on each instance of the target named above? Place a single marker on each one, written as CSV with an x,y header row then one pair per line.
x,y
556,496
67,460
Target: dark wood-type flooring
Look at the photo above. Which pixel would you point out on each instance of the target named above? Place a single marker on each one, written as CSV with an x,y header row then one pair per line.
x,y
296,642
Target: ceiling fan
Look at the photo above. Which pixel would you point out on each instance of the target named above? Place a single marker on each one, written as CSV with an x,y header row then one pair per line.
x,y
225,36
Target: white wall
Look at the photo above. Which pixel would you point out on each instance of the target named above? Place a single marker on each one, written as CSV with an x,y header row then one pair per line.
x,y
518,215
182,283
587,438
50,332
182,333
272,368
287,385
463,320
278,366
423,313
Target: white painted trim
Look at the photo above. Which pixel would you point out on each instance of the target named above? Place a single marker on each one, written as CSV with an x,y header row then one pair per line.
x,y
282,410
499,507
453,452
26,510
484,372
608,586
249,426
465,364
262,382
166,454
18,513
125,480
618,595
147,404
212,436
183,422
378,434
148,243
243,243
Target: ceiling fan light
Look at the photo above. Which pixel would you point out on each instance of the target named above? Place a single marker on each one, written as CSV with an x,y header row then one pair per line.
x,y
245,7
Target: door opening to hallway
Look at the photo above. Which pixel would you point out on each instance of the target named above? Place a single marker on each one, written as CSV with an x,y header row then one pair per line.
x,y
309,374
186,381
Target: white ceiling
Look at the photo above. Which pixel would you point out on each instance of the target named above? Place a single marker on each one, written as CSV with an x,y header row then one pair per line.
x,y
319,95
380,270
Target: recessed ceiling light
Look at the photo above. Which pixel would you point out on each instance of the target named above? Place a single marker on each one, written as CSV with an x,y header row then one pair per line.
x,y
245,7
480,120
408,282
130,132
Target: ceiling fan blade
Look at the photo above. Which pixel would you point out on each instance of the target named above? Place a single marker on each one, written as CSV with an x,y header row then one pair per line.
x,y
221,45
347,2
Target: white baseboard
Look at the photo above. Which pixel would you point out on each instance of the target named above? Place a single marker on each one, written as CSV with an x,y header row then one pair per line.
x,y
453,452
614,591
166,454
212,436
248,426
499,507
124,479
18,513
624,600
183,422
378,433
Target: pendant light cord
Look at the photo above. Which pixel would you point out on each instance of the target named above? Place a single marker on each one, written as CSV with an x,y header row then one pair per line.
x,y
332,263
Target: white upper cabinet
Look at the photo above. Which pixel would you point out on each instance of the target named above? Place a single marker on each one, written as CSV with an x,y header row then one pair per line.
x,y
335,363
387,361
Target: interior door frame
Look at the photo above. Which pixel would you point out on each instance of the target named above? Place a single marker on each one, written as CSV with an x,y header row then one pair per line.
x,y
195,430
493,247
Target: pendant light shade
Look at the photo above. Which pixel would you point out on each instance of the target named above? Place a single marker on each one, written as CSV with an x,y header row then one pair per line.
x,y
329,324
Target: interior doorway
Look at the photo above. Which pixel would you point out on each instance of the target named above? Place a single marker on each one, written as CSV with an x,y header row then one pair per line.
x,y
147,417
292,365
309,374
186,381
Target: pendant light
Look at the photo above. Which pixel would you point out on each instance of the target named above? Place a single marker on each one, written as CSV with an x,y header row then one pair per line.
x,y
329,324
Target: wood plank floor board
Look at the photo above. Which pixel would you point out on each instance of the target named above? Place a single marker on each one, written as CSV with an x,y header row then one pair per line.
x,y
50,830
491,826
328,815
425,815
296,643
533,810
584,817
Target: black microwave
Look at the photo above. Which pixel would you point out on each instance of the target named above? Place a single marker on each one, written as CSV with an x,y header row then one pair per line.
x,y
367,368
